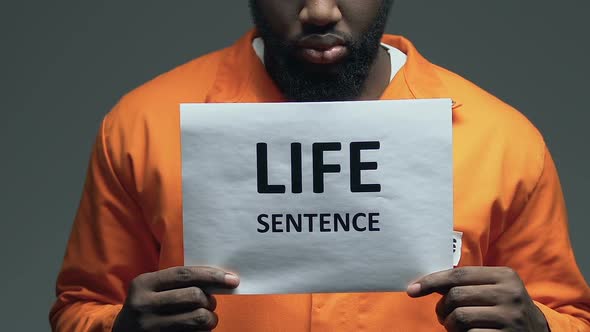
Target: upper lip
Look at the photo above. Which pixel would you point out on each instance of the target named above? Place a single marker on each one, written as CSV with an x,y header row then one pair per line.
x,y
321,42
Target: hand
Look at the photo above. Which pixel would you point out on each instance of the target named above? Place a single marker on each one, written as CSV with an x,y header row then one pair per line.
x,y
478,299
173,300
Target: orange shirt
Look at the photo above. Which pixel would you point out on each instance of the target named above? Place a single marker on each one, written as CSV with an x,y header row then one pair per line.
x,y
508,204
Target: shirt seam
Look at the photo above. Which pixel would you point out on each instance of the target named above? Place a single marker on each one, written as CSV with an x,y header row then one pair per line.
x,y
542,160
107,156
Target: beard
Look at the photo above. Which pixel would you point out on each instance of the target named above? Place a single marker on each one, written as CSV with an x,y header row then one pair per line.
x,y
304,82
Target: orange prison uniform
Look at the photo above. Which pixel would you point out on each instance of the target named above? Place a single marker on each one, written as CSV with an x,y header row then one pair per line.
x,y
508,204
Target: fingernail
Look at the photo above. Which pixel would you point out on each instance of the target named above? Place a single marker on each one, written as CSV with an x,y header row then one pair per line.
x,y
232,279
414,289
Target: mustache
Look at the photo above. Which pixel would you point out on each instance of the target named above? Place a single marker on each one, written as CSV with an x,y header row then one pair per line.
x,y
329,37
336,37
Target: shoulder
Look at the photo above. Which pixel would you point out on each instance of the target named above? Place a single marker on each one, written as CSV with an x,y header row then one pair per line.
x,y
480,105
488,111
498,129
160,97
475,108
149,116
189,82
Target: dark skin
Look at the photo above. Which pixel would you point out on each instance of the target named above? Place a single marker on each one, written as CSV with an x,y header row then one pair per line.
x,y
481,299
290,20
475,299
174,299
347,16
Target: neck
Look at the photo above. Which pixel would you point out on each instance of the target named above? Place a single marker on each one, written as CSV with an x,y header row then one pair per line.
x,y
379,77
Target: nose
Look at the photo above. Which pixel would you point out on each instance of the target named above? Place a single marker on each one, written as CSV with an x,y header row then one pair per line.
x,y
320,13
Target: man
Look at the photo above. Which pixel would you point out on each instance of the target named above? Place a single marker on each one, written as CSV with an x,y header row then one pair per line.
x,y
122,270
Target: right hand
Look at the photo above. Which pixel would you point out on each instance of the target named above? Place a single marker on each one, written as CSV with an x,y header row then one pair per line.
x,y
173,300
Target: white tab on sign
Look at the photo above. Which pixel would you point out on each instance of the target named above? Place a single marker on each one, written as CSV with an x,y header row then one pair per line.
x,y
318,197
457,246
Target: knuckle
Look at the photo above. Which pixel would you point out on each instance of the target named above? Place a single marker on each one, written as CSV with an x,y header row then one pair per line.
x,y
454,295
512,296
139,303
203,319
457,275
200,320
137,283
516,297
519,320
516,317
135,301
159,302
183,274
196,295
495,298
461,317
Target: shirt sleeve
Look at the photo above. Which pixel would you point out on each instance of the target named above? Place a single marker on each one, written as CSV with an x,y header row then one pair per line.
x,y
109,244
537,246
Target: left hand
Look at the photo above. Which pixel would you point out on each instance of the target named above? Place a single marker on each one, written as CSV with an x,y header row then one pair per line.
x,y
478,299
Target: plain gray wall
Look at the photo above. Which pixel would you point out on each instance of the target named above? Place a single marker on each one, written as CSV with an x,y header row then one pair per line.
x,y
65,63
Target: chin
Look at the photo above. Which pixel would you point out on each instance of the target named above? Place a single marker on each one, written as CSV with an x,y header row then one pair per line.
x,y
323,68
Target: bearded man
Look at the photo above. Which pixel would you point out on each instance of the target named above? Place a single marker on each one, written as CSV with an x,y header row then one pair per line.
x,y
123,270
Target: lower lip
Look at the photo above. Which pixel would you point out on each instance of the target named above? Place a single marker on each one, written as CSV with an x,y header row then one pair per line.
x,y
329,56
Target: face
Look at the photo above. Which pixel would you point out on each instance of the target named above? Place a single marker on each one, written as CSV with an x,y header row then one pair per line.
x,y
320,50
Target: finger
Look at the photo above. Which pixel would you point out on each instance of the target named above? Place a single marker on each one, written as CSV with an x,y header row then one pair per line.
x,y
441,282
197,320
190,276
465,318
466,296
212,302
182,300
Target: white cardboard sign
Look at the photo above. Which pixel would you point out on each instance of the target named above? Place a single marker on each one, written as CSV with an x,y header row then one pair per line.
x,y
319,197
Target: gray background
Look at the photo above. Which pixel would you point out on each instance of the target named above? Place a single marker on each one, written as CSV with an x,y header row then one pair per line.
x,y
65,63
